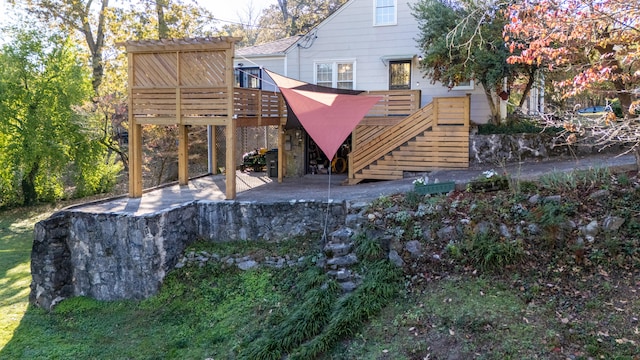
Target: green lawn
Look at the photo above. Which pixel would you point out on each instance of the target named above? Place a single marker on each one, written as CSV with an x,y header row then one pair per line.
x,y
16,236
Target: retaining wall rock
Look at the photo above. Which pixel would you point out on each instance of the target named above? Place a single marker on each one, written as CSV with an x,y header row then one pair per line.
x,y
113,256
501,148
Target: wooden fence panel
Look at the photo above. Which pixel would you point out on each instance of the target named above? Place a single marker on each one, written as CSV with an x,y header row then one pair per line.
x,y
199,68
154,70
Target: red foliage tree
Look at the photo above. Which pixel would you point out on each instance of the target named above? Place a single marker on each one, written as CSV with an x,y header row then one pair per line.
x,y
596,43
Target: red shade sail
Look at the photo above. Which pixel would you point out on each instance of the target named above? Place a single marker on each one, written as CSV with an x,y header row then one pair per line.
x,y
327,117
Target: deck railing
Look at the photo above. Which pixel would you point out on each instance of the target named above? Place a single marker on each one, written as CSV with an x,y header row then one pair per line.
x,y
254,103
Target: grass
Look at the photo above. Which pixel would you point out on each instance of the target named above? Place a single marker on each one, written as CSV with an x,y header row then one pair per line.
x,y
483,297
455,318
16,235
211,311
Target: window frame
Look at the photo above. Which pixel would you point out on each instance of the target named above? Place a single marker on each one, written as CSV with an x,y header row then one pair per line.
x,y
470,86
241,77
334,72
393,21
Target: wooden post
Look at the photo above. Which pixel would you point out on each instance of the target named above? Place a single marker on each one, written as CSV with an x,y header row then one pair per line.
x,y
230,163
183,133
183,154
135,158
213,151
230,129
436,112
135,140
467,110
280,152
354,141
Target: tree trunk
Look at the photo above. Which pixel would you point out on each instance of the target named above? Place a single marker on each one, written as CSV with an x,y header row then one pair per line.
x,y
495,109
163,29
527,88
29,194
622,93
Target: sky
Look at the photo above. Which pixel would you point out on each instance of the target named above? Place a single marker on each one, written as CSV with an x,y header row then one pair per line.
x,y
228,10
233,10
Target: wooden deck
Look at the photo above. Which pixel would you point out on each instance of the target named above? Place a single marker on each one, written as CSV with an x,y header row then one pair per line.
x,y
396,136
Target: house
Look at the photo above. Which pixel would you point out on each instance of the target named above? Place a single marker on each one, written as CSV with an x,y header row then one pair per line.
x,y
365,45
250,60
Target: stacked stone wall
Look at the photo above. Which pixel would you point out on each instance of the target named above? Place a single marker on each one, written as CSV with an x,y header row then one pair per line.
x,y
113,256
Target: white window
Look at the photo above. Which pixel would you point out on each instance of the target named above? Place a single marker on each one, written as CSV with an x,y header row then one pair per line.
x,y
464,85
335,74
384,12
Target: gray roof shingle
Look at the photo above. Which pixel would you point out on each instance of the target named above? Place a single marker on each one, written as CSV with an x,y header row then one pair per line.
x,y
277,47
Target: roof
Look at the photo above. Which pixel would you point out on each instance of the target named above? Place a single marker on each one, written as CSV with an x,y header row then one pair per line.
x,y
278,47
164,45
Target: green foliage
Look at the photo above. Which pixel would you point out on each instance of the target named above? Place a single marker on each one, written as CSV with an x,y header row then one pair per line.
x,y
305,321
380,286
381,202
590,179
462,41
520,126
367,248
96,177
42,132
412,199
490,252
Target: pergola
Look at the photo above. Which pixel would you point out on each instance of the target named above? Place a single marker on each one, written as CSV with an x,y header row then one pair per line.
x,y
181,82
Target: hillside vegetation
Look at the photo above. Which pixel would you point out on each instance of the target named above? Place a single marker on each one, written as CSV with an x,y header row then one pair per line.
x,y
545,269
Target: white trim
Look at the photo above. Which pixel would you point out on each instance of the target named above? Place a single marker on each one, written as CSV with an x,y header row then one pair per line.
x,y
395,14
334,70
471,86
386,58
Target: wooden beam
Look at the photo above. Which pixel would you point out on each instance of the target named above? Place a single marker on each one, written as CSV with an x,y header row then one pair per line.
x,y
166,45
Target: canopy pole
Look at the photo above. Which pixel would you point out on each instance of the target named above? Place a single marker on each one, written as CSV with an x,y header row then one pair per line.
x,y
326,213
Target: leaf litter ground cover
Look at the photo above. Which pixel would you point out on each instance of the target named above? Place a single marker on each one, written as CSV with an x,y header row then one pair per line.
x,y
516,275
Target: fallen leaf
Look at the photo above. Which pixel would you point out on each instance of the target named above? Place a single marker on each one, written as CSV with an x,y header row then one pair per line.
x,y
625,341
451,332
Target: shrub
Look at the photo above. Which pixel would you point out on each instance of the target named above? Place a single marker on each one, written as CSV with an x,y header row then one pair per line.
x,y
488,251
515,126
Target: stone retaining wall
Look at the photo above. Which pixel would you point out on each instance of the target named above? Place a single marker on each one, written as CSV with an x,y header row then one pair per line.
x,y
505,148
112,256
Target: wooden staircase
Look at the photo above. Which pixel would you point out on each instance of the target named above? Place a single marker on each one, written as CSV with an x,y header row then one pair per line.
x,y
434,137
